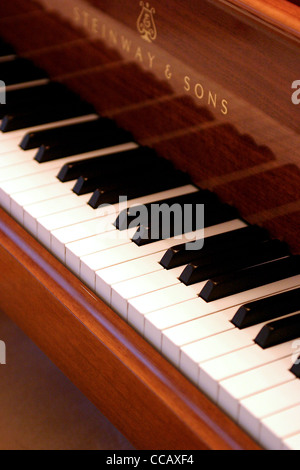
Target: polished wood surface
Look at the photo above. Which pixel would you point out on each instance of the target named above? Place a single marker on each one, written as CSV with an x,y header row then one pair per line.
x,y
151,403
213,94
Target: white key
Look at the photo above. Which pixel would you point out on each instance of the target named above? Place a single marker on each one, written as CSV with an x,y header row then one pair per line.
x,y
157,322
235,389
221,339
98,243
12,159
11,145
262,405
292,442
276,428
107,278
47,192
50,207
127,290
212,372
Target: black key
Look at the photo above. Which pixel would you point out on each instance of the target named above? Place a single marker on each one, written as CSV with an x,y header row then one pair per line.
x,y
107,135
112,178
231,260
19,71
279,331
65,134
6,49
267,309
26,100
249,278
182,254
129,216
146,184
296,368
106,164
44,115
213,214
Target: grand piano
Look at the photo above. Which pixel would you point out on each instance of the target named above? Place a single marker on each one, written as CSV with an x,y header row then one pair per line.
x,y
174,102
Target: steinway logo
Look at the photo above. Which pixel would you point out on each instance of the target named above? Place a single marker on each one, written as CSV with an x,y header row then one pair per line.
x,y
145,23
2,353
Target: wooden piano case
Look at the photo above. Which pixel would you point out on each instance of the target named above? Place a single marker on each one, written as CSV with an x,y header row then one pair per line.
x,y
237,95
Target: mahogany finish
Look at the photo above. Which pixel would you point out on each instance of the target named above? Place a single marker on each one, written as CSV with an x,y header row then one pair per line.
x,y
151,403
212,93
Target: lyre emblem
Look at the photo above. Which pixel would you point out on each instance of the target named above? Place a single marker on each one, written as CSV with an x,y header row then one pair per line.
x,y
145,23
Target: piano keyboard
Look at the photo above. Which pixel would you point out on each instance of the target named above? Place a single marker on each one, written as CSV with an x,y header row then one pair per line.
x,y
225,314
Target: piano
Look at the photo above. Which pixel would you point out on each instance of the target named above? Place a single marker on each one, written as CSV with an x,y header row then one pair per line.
x,y
197,104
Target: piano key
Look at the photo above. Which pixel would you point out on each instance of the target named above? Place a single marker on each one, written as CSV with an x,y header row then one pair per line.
x,y
296,368
32,168
124,291
157,322
209,215
239,387
20,71
292,442
114,178
86,223
98,243
63,219
213,371
234,259
181,254
120,160
104,136
6,51
245,279
67,134
281,430
12,159
34,97
20,133
267,309
51,113
163,182
33,212
279,331
128,216
107,277
255,408
49,191
90,265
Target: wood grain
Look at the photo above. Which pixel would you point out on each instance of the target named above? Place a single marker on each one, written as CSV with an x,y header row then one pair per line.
x,y
140,393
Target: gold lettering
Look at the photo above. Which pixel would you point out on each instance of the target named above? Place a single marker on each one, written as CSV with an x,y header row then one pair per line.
x,y
85,18
151,59
113,36
224,109
168,73
76,12
212,99
201,94
187,85
95,26
126,44
139,55
103,31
